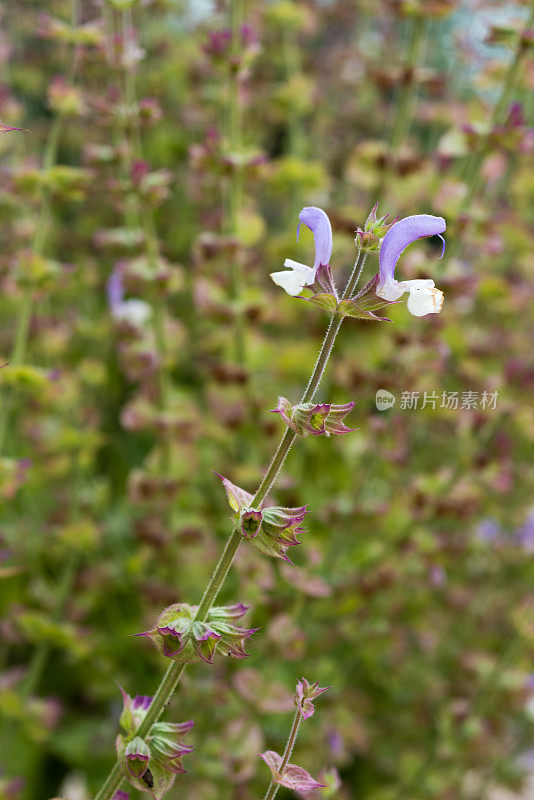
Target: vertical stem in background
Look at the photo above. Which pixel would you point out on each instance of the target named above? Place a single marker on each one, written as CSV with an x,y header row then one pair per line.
x,y
292,67
294,139
273,787
473,169
404,101
148,224
235,181
404,105
39,239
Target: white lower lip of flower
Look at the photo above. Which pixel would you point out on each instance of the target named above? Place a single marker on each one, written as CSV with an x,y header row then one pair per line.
x,y
295,279
137,312
423,297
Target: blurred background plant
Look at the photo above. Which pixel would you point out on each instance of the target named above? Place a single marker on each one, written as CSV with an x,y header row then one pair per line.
x,y
171,147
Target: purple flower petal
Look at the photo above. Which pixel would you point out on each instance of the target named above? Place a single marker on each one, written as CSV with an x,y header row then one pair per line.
x,y
115,290
400,235
141,701
319,224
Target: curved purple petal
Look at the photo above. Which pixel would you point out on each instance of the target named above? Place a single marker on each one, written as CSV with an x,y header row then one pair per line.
x,y
319,224
400,235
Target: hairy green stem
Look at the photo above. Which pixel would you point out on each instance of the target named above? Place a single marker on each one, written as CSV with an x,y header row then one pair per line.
x,y
175,670
274,786
332,331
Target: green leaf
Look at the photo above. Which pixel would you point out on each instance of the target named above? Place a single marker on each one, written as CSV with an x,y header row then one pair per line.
x,y
324,300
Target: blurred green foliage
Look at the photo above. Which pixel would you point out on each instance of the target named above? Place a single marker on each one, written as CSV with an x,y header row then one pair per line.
x,y
413,592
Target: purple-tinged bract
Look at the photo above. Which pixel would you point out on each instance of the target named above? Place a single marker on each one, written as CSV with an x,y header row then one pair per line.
x,y
314,418
178,636
270,530
304,695
151,762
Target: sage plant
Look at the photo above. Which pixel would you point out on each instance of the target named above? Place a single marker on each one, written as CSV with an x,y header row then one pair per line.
x,y
290,775
188,634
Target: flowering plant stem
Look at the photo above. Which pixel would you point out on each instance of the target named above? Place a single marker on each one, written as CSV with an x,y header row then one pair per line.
x,y
174,671
273,786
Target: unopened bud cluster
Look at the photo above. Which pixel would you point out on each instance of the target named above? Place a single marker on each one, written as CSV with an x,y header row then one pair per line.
x,y
151,762
374,230
270,530
181,638
314,418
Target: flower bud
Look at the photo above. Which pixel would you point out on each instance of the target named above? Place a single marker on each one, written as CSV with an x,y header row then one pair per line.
x,y
133,712
150,763
179,637
137,755
305,693
314,418
270,530
374,230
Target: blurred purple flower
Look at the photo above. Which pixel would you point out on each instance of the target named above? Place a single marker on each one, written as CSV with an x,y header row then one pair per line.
x,y
525,534
438,576
488,530
301,275
134,310
423,298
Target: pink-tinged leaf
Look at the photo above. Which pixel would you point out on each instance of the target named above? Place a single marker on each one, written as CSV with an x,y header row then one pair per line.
x,y
237,497
293,777
273,761
299,780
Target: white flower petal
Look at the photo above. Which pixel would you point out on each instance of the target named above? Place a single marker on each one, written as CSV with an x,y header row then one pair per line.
x,y
135,311
424,300
302,269
295,278
291,281
390,291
